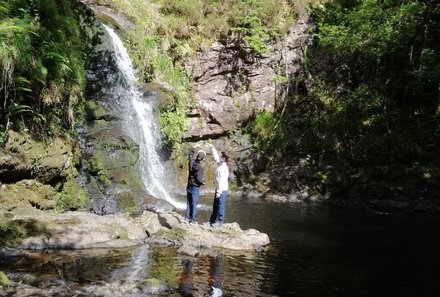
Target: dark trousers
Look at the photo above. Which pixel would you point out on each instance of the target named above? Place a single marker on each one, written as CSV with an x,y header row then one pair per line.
x,y
192,199
218,208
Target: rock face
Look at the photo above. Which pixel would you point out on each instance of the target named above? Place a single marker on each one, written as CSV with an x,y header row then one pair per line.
x,y
231,85
24,158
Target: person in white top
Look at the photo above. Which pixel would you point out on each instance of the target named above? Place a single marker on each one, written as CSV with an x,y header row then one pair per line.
x,y
223,163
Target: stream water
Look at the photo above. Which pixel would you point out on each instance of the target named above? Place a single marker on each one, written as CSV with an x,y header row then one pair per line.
x,y
316,250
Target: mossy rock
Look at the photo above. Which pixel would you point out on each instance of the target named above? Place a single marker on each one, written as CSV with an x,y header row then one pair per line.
x,y
25,158
72,197
95,111
175,234
112,162
27,192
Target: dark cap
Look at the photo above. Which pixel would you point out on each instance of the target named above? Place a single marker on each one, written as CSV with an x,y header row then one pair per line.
x,y
201,155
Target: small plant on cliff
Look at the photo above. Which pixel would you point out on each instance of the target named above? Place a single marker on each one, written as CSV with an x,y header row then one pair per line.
x,y
252,33
262,129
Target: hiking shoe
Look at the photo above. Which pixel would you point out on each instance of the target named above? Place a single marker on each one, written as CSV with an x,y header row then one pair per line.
x,y
186,221
217,225
193,223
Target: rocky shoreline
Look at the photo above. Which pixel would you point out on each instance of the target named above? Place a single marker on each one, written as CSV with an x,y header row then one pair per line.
x,y
84,230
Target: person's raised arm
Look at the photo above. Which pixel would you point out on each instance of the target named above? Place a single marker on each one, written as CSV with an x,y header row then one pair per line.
x,y
215,154
190,160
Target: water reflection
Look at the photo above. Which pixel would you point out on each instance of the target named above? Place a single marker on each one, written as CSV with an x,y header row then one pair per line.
x,y
187,287
186,284
215,272
316,252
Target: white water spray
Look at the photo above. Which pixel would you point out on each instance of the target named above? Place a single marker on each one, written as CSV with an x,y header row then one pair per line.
x,y
141,124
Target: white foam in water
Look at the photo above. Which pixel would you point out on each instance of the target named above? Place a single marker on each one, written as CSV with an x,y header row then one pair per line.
x,y
141,124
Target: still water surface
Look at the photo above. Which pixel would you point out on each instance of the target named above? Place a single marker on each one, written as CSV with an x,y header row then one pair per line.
x,y
316,250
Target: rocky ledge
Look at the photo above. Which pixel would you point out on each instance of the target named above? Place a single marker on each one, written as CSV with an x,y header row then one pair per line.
x,y
80,230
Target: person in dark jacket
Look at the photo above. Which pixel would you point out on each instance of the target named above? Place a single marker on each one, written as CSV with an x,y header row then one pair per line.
x,y
195,181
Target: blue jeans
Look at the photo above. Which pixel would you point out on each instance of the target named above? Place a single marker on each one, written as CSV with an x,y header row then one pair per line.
x,y
218,208
192,199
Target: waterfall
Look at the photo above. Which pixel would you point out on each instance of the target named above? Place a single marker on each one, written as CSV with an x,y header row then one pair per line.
x,y
140,123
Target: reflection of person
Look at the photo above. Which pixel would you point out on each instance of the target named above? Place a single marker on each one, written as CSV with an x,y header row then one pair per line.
x,y
215,271
186,284
195,181
221,187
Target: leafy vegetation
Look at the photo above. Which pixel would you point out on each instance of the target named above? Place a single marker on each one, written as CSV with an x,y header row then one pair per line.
x,y
373,99
42,66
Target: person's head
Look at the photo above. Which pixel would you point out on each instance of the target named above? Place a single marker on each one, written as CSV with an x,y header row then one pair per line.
x,y
225,157
201,155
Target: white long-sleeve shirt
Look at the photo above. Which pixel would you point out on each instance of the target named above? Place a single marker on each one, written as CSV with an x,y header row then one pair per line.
x,y
221,173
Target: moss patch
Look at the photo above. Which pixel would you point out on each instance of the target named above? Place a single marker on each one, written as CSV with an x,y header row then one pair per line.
x,y
175,234
4,280
72,197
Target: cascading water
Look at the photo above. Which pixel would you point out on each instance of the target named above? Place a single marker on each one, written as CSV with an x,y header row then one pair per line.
x,y
140,122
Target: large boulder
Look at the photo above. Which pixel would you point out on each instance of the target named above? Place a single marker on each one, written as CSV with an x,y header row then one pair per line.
x,y
190,239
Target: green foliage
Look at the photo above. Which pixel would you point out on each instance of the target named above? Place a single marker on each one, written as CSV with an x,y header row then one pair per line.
x,y
252,33
391,45
262,128
41,63
172,119
373,98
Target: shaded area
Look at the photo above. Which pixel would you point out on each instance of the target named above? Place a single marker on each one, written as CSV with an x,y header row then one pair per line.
x,y
14,231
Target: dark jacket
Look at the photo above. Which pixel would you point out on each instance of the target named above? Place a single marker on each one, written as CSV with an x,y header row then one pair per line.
x,y
195,172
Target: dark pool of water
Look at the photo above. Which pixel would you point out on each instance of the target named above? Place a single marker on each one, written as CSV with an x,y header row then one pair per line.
x,y
321,250
316,250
